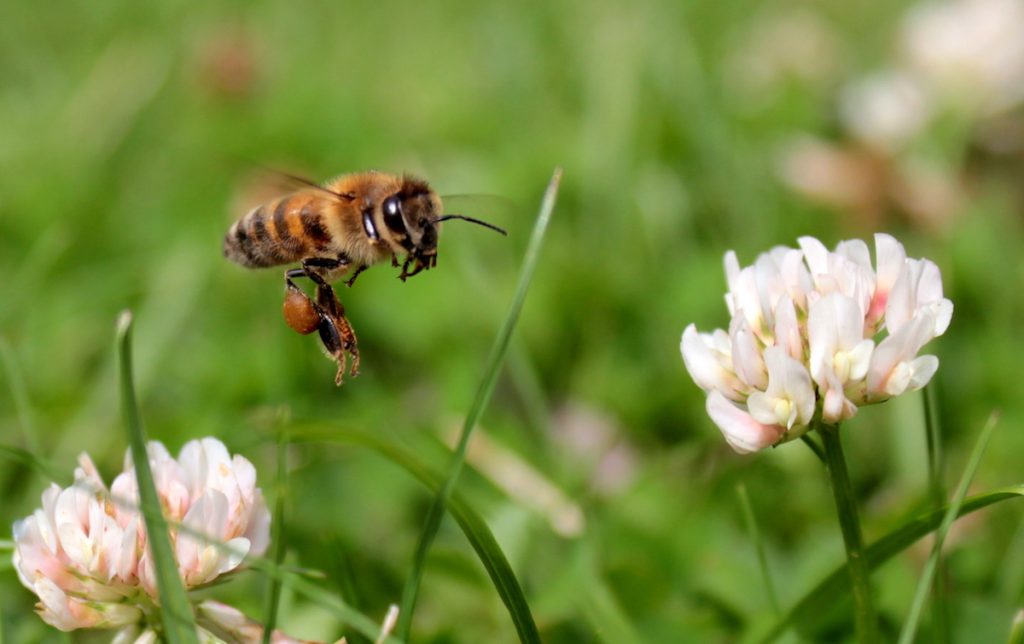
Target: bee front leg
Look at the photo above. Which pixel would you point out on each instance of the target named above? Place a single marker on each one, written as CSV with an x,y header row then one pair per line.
x,y
352,280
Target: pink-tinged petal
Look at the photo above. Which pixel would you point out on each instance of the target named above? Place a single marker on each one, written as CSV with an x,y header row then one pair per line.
x,y
770,287
732,269
796,277
746,300
943,311
860,359
87,472
74,541
128,557
232,556
762,408
705,364
787,329
741,431
849,319
258,529
746,356
918,290
823,336
789,400
923,368
900,347
816,256
795,384
890,257
856,251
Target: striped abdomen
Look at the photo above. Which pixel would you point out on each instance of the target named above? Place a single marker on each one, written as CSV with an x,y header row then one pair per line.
x,y
280,232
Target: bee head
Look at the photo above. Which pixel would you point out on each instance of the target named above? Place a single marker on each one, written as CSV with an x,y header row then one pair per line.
x,y
412,218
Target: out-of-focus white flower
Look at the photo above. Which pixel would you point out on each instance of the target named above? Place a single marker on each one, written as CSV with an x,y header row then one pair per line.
x,y
84,552
968,51
816,332
884,110
795,45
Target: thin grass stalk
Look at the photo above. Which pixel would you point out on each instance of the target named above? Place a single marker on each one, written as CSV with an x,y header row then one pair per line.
x,y
924,583
19,394
483,394
277,535
750,520
175,611
865,620
937,493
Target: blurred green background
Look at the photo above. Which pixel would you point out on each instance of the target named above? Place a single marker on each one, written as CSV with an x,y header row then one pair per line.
x,y
129,138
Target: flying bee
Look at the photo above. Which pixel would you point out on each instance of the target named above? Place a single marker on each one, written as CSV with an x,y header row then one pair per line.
x,y
341,227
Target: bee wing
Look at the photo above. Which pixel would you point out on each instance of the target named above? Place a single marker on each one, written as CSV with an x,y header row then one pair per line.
x,y
289,182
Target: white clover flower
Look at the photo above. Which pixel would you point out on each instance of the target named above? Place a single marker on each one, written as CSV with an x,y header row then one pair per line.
x,y
84,552
815,334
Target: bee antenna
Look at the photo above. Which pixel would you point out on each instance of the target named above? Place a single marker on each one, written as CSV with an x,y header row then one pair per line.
x,y
471,220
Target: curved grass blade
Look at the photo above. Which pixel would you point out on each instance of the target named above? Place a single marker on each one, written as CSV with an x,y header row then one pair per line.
x,y
483,394
925,582
473,526
176,613
817,601
28,459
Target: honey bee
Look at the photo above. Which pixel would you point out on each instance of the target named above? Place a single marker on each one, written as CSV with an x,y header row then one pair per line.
x,y
345,225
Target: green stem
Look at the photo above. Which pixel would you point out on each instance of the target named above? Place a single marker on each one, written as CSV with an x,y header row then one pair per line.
x,y
755,535
865,621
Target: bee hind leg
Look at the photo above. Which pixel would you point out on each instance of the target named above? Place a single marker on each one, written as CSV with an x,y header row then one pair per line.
x,y
335,331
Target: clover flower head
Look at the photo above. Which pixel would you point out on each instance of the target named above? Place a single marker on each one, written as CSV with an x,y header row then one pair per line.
x,y
816,333
84,552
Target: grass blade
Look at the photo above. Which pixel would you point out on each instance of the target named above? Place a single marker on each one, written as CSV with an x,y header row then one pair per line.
x,y
472,525
755,535
1017,629
925,582
937,492
816,602
483,394
19,393
277,536
176,613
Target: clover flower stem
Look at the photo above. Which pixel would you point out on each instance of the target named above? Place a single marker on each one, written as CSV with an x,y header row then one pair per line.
x,y
814,447
865,620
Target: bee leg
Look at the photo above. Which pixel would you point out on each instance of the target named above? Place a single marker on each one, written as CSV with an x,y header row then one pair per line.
x,y
336,333
352,280
406,273
394,260
340,333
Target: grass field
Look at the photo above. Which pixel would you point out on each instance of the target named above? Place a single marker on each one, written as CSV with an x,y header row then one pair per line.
x,y
130,139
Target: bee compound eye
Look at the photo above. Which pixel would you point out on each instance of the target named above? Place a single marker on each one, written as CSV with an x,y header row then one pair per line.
x,y
392,208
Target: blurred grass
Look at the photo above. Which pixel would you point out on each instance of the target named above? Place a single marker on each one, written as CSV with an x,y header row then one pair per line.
x,y
127,133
